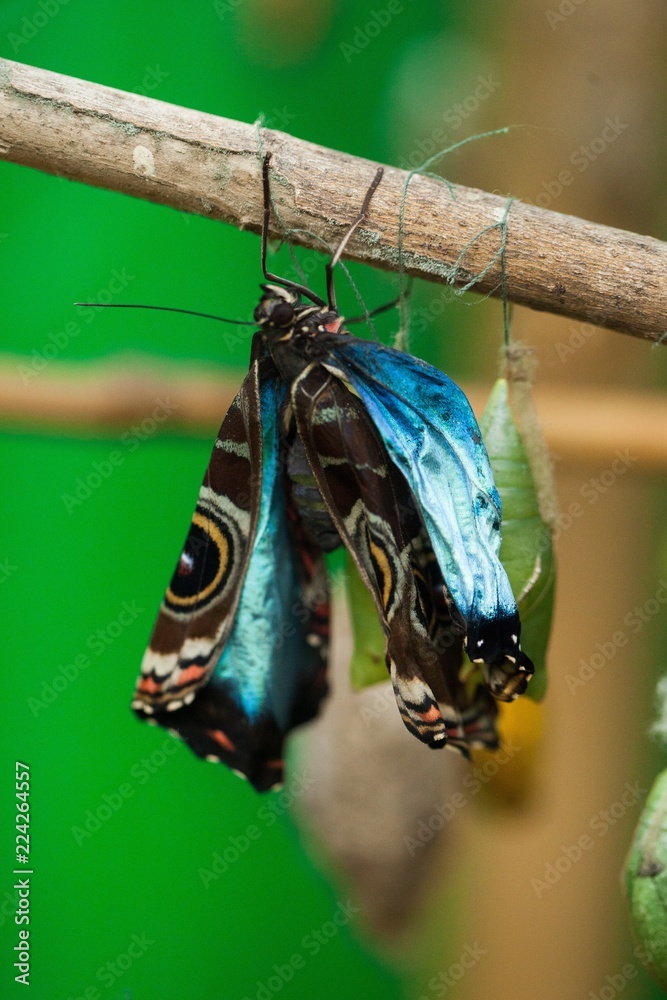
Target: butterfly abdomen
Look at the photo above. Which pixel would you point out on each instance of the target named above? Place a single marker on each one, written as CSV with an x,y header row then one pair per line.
x,y
308,499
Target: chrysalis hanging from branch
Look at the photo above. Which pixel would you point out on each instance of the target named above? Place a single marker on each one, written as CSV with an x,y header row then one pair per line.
x,y
645,875
522,471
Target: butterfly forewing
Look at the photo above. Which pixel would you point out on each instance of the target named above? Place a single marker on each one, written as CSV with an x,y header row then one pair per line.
x,y
369,508
259,653
433,438
198,609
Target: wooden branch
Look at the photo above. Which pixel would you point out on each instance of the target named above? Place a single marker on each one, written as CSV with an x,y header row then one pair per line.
x,y
581,424
199,163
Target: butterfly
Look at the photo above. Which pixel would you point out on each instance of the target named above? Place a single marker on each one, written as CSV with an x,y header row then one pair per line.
x,y
333,440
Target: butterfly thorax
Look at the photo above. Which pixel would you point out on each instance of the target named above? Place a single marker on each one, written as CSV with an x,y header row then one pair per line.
x,y
295,332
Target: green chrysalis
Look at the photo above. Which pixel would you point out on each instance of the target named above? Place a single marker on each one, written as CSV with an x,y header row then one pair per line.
x,y
522,474
646,882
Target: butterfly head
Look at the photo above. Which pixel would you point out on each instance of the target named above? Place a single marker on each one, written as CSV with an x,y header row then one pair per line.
x,y
278,307
282,313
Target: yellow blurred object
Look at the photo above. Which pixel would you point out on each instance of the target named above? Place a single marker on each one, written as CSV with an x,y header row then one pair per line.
x,y
508,775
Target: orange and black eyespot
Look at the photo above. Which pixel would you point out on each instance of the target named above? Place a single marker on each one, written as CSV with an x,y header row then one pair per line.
x,y
204,565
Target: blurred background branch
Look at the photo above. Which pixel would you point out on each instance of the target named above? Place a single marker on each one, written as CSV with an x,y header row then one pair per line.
x,y
208,165
580,423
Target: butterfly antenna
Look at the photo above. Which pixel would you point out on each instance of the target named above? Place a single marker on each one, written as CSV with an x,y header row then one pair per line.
x,y
171,309
285,282
331,295
374,312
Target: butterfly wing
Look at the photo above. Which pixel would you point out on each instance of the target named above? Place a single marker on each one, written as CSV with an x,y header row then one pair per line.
x,y
469,710
431,434
375,517
199,606
238,652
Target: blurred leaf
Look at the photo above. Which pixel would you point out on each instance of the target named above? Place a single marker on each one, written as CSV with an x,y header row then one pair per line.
x,y
368,664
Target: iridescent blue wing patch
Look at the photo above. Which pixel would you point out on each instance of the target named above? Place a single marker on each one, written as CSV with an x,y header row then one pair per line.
x,y
431,434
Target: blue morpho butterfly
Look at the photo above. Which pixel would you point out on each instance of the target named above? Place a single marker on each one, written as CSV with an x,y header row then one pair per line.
x,y
333,440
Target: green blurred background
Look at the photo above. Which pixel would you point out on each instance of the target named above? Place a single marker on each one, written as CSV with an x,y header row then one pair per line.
x,y
81,582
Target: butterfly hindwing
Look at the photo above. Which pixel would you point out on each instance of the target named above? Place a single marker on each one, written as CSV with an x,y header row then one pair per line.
x,y
469,710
